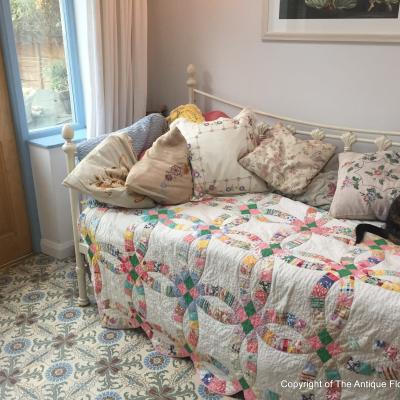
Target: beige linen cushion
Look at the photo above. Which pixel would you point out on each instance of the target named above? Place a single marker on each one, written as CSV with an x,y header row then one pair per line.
x,y
215,148
319,193
367,185
163,173
102,173
286,163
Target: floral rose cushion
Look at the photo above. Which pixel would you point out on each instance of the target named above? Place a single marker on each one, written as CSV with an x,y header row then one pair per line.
x,y
286,163
320,191
215,148
163,174
367,185
103,172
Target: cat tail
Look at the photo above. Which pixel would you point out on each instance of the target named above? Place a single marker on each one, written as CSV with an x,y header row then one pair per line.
x,y
361,229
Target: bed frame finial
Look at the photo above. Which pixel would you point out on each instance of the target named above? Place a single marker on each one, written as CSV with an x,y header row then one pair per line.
x,y
348,139
383,143
69,148
191,82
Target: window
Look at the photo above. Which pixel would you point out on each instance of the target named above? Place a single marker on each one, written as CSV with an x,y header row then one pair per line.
x,y
45,52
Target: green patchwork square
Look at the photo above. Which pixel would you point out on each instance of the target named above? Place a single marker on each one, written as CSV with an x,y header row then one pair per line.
x,y
188,348
134,260
252,206
247,326
316,302
323,354
243,383
245,212
275,246
138,319
88,240
344,272
380,242
312,225
162,211
375,247
189,283
152,217
250,310
188,298
366,369
351,267
205,232
90,253
267,252
134,275
332,375
325,337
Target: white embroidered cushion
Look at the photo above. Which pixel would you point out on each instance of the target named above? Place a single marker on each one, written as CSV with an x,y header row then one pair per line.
x,y
103,172
367,185
215,148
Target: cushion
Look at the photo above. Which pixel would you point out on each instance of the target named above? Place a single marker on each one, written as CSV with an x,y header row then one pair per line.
x,y
102,173
213,115
163,173
319,193
367,185
215,148
142,132
188,111
286,163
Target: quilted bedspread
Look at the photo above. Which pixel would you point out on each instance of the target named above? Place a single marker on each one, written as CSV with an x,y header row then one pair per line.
x,y
267,295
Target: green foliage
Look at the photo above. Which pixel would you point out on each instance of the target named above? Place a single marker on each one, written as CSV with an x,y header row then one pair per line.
x,y
56,72
36,20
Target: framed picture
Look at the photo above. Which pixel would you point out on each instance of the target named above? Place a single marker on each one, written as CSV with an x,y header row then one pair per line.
x,y
332,20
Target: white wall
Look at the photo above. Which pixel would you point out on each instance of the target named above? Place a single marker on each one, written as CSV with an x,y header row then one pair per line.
x,y
346,84
48,170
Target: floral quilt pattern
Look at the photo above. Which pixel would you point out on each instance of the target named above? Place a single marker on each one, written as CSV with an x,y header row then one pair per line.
x,y
257,289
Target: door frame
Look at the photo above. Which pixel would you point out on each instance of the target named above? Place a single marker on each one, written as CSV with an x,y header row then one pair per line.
x,y
16,98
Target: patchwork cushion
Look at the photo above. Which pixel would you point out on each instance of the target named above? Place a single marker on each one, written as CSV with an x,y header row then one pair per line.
x,y
367,185
215,148
143,133
286,163
163,173
102,173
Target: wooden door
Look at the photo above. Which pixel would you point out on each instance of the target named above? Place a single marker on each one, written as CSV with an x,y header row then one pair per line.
x,y
15,238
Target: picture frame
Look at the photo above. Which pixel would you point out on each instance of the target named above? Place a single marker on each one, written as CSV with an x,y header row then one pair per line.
x,y
355,26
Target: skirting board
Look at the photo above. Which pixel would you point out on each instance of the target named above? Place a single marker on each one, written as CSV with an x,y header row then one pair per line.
x,y
57,250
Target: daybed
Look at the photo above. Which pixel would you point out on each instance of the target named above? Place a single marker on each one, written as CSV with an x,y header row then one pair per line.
x,y
267,295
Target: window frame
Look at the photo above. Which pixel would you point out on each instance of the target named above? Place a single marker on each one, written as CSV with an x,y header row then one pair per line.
x,y
14,79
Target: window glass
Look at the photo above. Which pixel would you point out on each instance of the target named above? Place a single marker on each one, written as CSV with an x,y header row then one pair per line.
x,y
38,35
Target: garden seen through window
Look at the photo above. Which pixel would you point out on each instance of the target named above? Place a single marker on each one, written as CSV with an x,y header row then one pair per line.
x,y
39,42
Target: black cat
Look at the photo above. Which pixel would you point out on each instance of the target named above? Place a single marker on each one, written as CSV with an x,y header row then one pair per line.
x,y
390,232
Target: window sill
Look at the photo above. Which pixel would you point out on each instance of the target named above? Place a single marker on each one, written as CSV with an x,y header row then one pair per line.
x,y
56,140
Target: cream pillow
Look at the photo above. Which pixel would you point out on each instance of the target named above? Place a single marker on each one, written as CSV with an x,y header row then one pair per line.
x,y
286,163
215,148
163,173
102,173
367,185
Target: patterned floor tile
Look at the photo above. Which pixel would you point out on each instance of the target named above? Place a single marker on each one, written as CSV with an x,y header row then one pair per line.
x,y
51,349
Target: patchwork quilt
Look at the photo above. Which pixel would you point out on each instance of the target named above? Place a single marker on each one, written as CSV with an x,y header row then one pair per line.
x,y
267,295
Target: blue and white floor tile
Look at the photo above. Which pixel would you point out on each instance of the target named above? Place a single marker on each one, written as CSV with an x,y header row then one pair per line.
x,y
51,349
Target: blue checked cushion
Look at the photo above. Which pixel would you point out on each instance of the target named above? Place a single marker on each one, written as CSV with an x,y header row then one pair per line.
x,y
143,133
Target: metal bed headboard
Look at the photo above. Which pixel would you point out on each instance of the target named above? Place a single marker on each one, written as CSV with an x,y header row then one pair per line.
x,y
349,136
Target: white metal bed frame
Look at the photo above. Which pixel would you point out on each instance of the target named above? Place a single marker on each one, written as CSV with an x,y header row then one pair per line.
x,y
349,136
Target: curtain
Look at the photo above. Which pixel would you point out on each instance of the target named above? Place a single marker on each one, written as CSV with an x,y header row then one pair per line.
x,y
112,40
